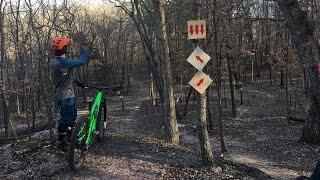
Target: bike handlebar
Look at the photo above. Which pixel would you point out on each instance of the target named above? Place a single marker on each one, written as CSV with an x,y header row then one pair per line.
x,y
116,88
99,88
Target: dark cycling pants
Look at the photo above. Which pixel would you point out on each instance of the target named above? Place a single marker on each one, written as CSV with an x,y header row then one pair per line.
x,y
68,111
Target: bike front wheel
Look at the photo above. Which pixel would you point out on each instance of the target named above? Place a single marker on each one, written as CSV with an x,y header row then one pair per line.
x,y
77,151
101,126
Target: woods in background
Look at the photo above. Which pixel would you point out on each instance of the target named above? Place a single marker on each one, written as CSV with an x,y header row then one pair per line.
x,y
27,28
245,39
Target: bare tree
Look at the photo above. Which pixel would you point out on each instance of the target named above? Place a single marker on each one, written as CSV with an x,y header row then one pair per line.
x,y
206,149
158,64
308,50
170,109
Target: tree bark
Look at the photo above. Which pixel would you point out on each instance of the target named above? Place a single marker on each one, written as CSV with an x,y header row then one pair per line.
x,y
5,110
160,70
4,104
308,50
209,116
281,79
185,111
147,46
231,87
217,56
167,76
219,83
206,149
152,92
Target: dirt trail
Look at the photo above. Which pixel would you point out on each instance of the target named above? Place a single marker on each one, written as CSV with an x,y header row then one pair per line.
x,y
124,154
129,150
262,137
133,149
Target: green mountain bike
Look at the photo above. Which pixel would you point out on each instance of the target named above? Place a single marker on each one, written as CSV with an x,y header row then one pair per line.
x,y
89,125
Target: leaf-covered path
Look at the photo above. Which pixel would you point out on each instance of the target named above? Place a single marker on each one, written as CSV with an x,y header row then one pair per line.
x,y
133,149
262,137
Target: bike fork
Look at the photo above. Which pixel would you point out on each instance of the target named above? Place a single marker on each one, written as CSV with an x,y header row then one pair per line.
x,y
104,105
105,113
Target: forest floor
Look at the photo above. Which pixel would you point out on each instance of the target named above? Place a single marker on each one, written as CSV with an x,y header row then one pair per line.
x,y
259,137
133,149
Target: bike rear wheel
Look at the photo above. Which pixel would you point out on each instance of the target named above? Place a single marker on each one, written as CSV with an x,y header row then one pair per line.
x,y
77,151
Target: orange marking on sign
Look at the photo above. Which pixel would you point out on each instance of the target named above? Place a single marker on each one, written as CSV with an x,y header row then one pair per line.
x,y
199,59
191,30
200,82
202,29
197,29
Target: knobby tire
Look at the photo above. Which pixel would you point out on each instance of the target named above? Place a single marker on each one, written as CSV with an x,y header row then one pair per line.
x,y
77,152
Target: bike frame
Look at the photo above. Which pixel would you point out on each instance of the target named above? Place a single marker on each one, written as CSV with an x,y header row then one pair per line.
x,y
85,134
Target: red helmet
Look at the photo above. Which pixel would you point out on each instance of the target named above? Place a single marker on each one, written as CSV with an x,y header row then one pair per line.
x,y
59,42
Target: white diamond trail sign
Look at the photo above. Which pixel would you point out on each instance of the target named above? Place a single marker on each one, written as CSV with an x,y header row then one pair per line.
x,y
198,59
197,29
200,82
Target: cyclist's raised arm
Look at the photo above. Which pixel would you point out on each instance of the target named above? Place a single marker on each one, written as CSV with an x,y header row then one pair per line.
x,y
80,61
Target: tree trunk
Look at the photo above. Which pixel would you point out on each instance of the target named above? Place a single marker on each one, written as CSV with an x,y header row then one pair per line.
x,y
219,83
29,125
147,47
209,116
169,104
258,63
206,149
33,113
12,130
281,79
252,69
5,110
270,73
187,102
225,95
4,104
218,61
287,92
173,124
18,104
152,92
231,87
308,50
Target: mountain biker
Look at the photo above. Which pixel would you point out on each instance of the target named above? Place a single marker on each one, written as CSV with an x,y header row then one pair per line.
x,y
62,75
